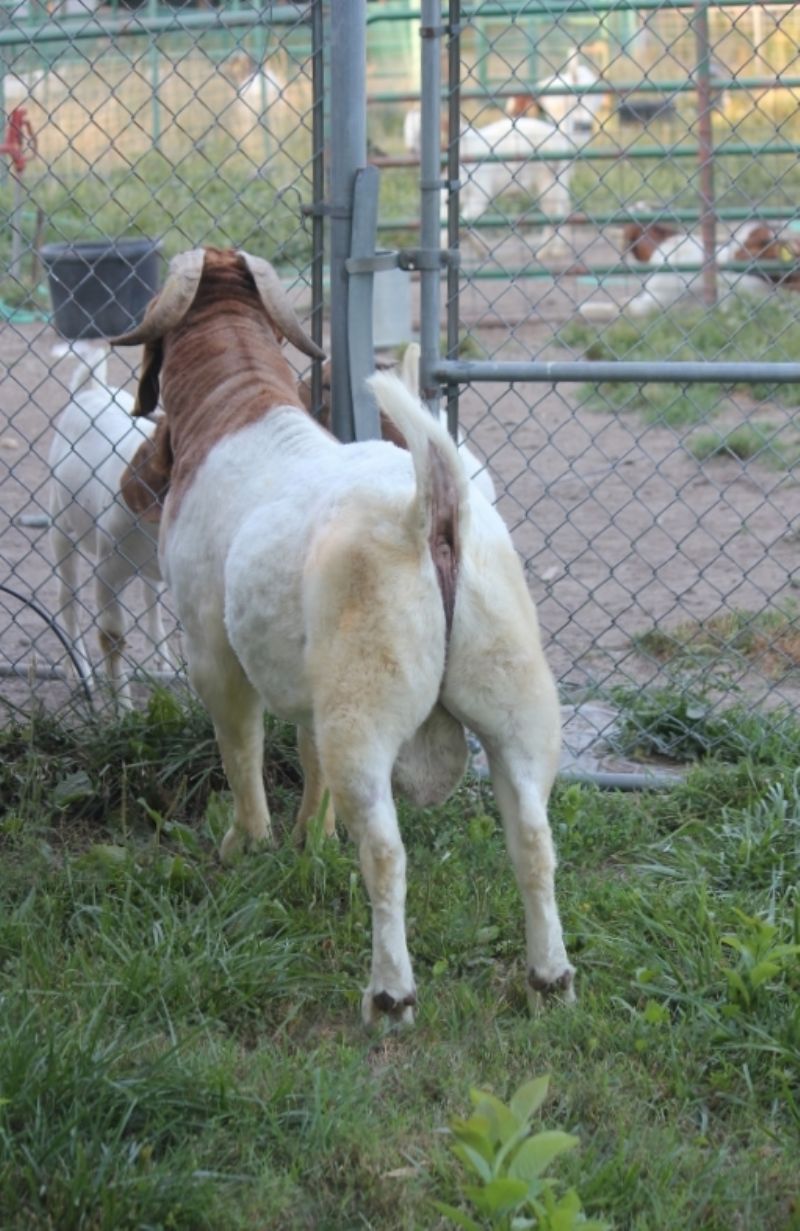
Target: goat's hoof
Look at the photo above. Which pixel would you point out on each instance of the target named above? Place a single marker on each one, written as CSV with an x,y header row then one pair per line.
x,y
378,1006
562,987
235,844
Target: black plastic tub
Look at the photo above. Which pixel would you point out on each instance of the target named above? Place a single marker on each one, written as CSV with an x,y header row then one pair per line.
x,y
101,288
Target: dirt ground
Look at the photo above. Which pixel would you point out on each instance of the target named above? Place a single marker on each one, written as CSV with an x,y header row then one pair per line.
x,y
621,529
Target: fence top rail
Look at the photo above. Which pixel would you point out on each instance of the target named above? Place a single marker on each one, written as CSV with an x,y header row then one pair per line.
x,y
457,371
549,8
572,8
621,89
26,33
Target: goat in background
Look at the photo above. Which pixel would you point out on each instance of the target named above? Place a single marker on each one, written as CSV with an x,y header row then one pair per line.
x,y
518,148
662,247
93,444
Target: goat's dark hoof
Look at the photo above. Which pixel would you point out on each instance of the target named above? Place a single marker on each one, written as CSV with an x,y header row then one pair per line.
x,y
387,1004
563,987
382,1005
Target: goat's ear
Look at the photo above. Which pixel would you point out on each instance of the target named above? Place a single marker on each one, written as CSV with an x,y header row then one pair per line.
x,y
632,235
145,480
148,391
760,244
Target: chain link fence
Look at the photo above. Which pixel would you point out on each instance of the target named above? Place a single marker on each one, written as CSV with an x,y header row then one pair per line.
x,y
627,194
133,131
622,199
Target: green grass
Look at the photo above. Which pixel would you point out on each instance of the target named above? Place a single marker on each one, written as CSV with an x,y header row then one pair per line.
x,y
741,181
214,196
741,442
180,1046
741,330
766,641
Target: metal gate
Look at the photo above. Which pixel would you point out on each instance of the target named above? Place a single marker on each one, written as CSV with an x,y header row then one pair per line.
x,y
660,546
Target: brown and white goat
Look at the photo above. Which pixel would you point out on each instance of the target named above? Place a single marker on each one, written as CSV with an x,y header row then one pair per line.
x,y
677,259
362,592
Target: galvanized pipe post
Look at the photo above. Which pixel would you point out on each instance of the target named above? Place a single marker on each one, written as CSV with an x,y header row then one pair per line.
x,y
318,189
348,146
453,168
431,32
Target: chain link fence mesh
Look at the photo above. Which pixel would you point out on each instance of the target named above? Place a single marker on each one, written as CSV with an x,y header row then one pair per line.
x,y
188,124
628,191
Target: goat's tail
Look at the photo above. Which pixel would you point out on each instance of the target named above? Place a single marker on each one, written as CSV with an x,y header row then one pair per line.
x,y
442,484
91,366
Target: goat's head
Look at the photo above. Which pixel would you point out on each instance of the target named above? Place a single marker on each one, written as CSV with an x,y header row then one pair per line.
x,y
757,242
641,240
223,280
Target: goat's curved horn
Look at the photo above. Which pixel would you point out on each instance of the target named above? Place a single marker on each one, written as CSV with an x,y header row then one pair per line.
x,y
276,302
173,301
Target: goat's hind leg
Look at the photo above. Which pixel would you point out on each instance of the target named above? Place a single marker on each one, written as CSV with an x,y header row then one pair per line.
x,y
510,702
237,713
364,714
521,795
314,789
153,595
360,776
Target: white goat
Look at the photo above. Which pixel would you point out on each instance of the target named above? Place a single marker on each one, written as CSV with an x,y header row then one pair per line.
x,y
94,441
363,592
522,145
519,145
256,84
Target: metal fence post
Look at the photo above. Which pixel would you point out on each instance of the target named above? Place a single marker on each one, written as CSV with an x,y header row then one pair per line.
x,y
705,151
453,159
348,145
431,32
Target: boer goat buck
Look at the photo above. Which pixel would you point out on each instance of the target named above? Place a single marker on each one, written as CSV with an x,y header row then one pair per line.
x,y
365,593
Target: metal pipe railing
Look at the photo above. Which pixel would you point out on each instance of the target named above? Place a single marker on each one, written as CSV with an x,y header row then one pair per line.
x,y
577,270
559,8
318,189
622,88
669,372
573,8
537,218
655,152
71,30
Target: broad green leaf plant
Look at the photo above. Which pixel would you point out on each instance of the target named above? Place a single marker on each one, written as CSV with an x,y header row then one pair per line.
x,y
498,1147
